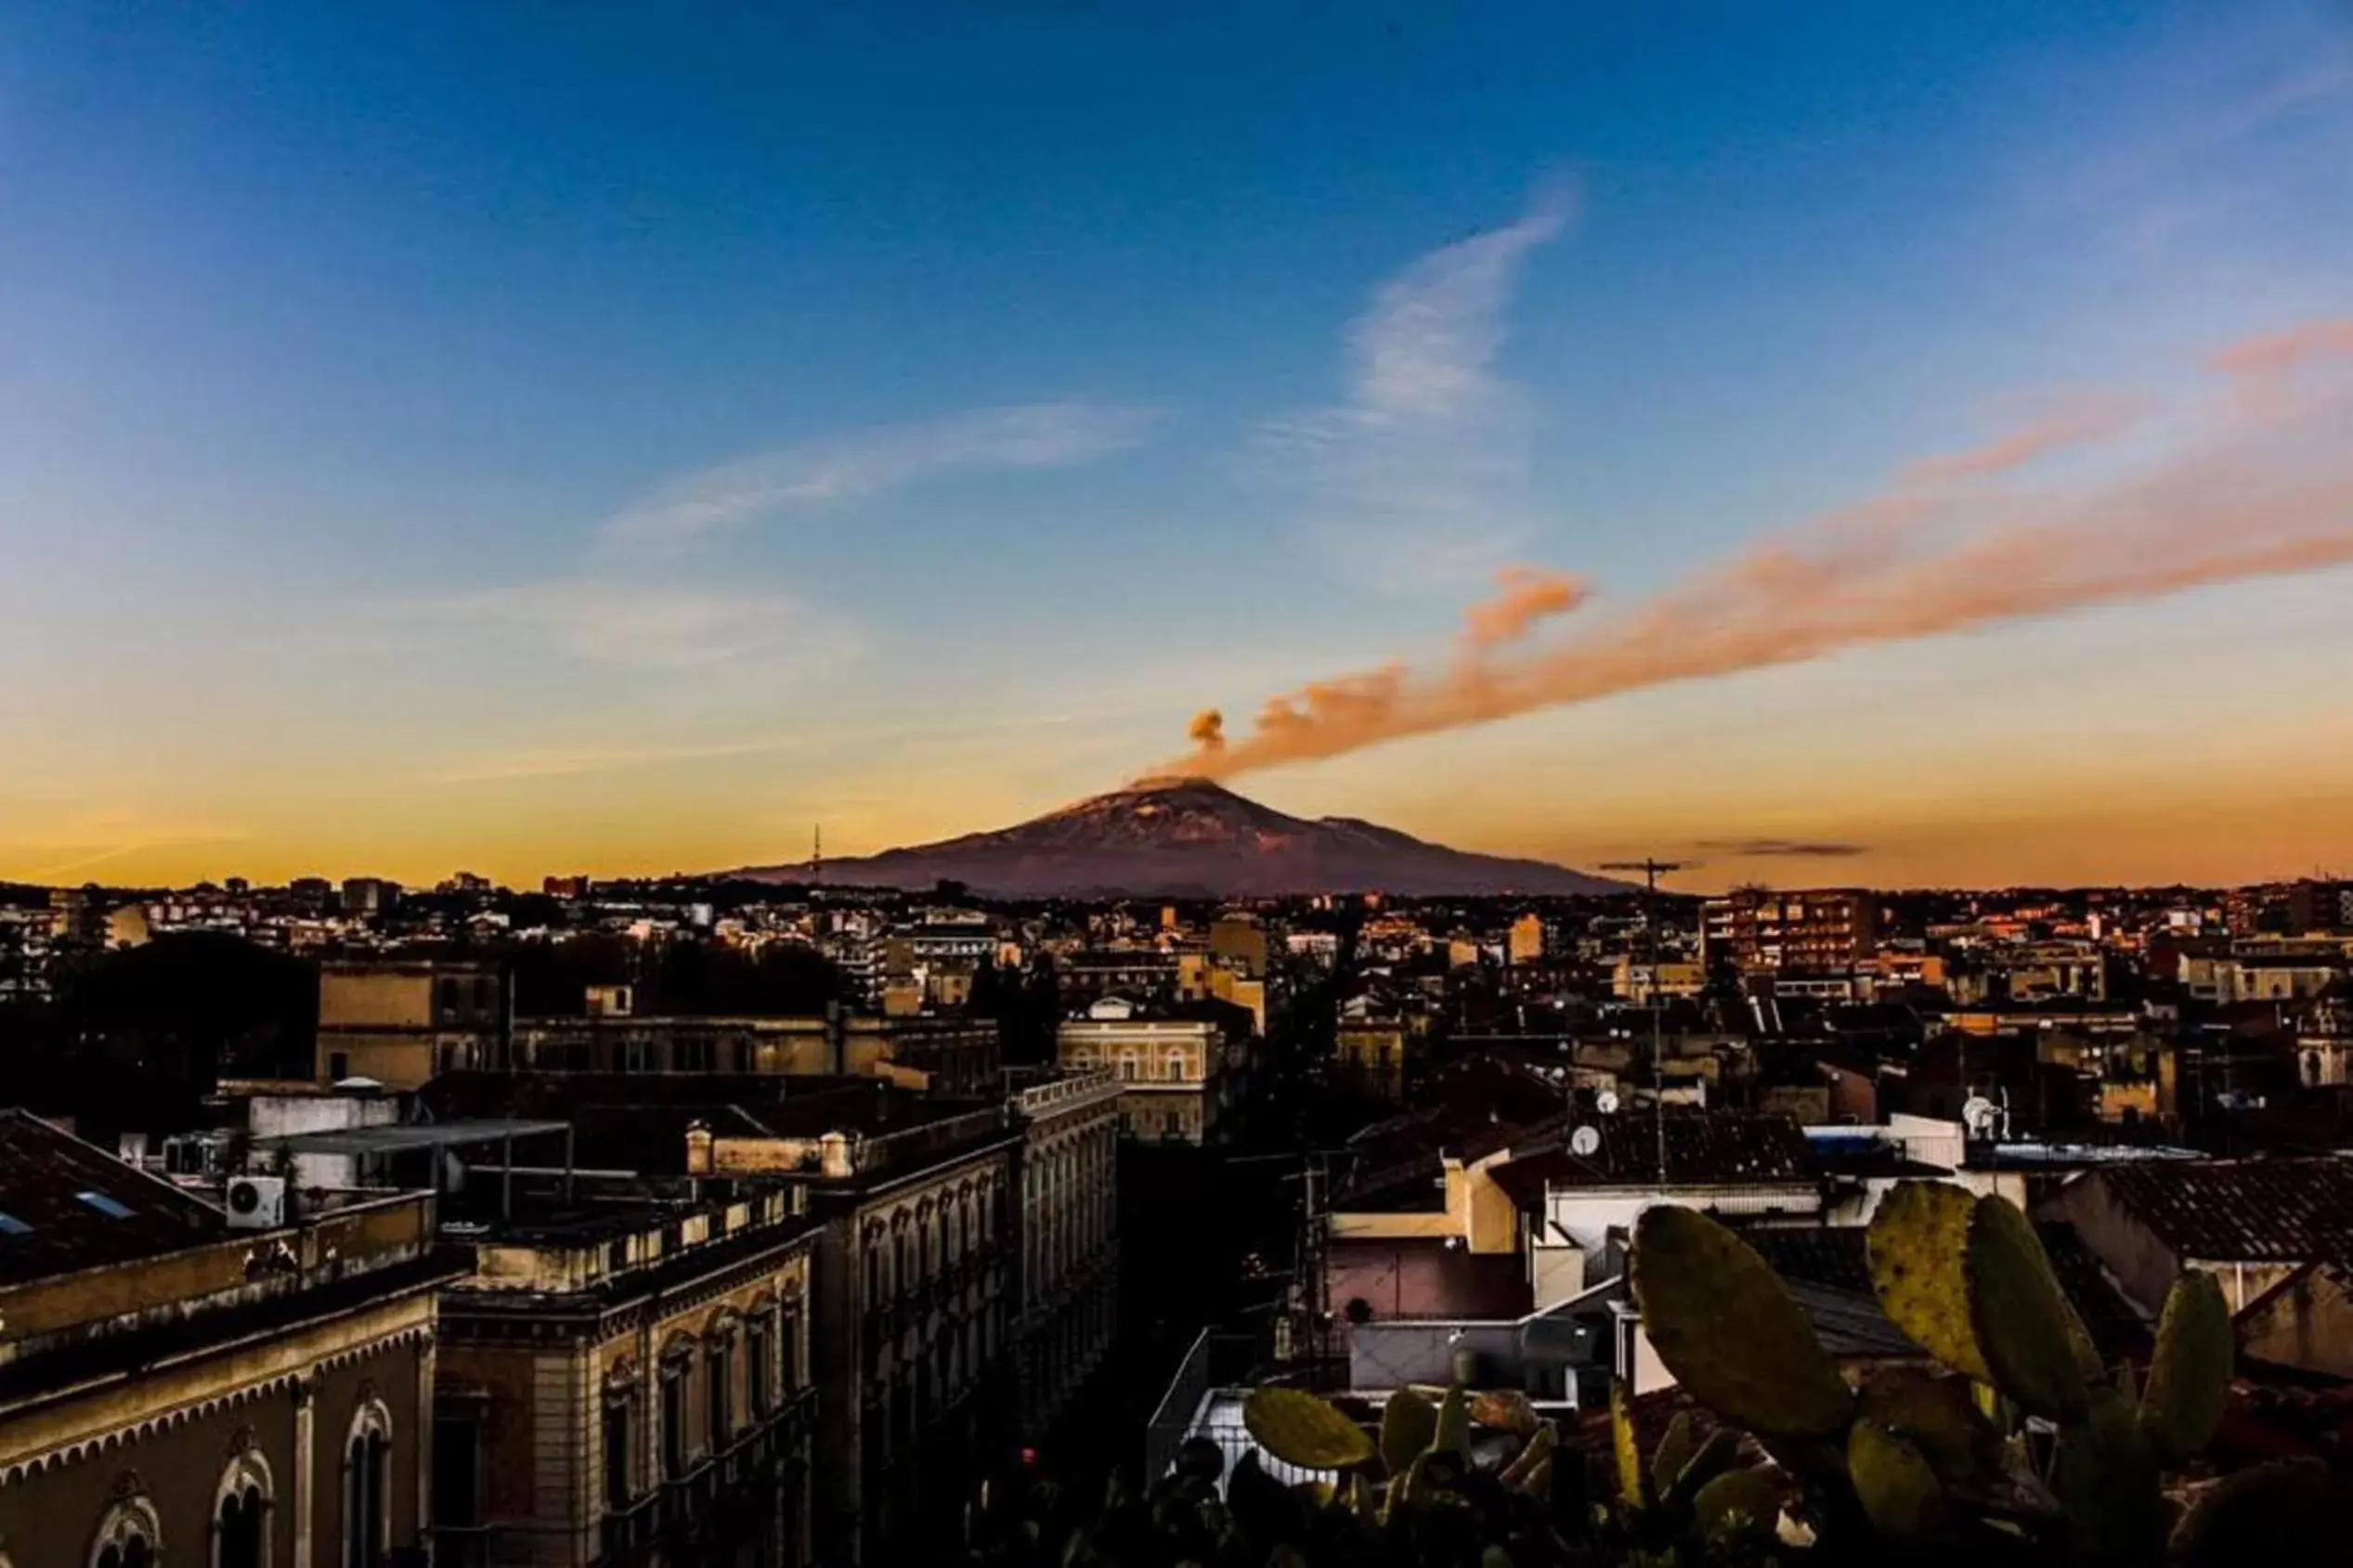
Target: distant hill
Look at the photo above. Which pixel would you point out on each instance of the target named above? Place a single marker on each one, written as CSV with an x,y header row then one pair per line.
x,y
1191,837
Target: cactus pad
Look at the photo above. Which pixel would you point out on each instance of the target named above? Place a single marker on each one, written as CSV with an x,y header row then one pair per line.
x,y
1623,1449
1917,1245
1302,1429
1725,1327
1408,1423
1938,1415
2028,1334
2107,1481
2190,1373
1896,1486
1737,1503
1453,1434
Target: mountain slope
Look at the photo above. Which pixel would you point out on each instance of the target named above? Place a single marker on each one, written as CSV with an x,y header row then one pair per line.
x,y
1192,838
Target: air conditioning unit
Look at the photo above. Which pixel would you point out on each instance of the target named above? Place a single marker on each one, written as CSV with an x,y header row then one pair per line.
x,y
256,1203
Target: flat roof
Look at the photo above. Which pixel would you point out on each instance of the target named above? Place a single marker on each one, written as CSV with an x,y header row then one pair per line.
x,y
424,1135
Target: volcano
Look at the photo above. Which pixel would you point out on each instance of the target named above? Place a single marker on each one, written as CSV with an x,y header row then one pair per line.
x,y
1191,837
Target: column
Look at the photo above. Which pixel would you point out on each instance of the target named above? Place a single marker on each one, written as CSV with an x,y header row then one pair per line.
x,y
428,1356
305,1449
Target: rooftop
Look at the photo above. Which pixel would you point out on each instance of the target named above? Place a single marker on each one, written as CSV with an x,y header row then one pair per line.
x,y
1699,1149
66,1205
2283,1210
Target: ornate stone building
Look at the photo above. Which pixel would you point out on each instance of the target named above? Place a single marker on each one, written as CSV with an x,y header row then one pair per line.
x,y
628,1381
915,1297
1069,1237
182,1384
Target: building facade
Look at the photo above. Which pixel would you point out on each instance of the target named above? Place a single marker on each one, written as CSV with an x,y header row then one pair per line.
x,y
629,1383
1069,1237
1178,1074
957,1056
914,1301
178,1386
1814,930
401,1022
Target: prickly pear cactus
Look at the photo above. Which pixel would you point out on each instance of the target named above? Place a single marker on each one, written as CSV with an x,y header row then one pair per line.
x,y
1453,1434
2035,1348
2106,1477
1623,1451
1898,1489
1302,1429
1673,1452
1937,1414
1727,1328
1737,1503
1408,1423
2190,1372
1917,1246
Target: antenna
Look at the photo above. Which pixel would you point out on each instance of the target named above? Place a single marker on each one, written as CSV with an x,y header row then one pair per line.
x,y
1651,868
817,854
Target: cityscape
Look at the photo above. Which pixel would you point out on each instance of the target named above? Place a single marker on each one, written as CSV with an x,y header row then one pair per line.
x,y
1064,787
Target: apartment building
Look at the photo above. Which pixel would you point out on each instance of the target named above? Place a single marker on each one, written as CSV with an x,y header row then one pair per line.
x,y
1812,930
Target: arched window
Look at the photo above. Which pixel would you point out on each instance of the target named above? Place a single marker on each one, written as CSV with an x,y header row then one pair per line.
x,y
367,1487
241,1513
129,1535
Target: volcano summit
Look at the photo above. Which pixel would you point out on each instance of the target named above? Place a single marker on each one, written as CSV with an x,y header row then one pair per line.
x,y
1191,837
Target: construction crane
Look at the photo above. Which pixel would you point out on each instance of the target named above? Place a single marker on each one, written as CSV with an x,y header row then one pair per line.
x,y
1652,870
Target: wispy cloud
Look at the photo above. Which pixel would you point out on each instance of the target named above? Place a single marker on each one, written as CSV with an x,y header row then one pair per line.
x,y
1424,468
652,627
1792,849
824,472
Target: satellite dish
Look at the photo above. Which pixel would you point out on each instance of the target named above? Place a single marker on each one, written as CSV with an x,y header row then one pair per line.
x,y
1606,1102
1585,1142
1980,1115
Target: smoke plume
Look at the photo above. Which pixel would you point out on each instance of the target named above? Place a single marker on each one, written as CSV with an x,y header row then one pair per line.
x,y
1524,595
2257,482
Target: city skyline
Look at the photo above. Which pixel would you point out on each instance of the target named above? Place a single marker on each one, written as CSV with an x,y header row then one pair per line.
x,y
597,446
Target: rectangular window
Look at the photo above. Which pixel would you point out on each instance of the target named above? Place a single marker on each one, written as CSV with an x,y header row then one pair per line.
x,y
673,1423
338,1065
618,1489
759,1369
456,1468
721,1399
112,1208
790,1349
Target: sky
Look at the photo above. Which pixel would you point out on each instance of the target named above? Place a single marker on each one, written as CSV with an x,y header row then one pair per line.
x,y
564,437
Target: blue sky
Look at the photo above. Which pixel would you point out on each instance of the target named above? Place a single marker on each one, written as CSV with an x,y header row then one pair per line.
x,y
1012,370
